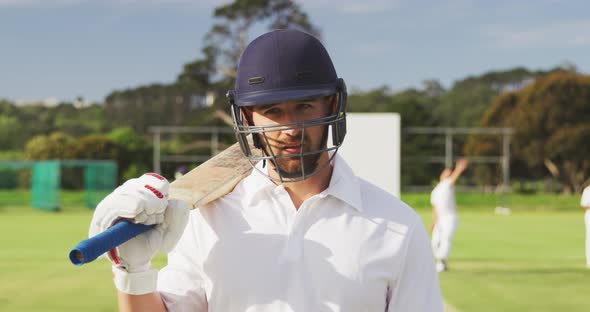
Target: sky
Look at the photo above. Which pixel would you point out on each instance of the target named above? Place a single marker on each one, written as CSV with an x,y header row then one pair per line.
x,y
58,50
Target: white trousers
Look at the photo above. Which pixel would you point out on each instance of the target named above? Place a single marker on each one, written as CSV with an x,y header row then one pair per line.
x,y
587,221
442,236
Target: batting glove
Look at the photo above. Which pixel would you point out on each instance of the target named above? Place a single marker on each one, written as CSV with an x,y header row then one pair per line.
x,y
142,200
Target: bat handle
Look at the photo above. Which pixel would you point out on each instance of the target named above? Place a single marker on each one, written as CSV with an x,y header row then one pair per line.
x,y
90,249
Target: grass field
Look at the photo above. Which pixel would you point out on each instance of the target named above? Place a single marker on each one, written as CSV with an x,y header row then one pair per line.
x,y
531,260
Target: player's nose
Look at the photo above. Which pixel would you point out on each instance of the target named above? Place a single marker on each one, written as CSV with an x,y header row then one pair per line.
x,y
293,124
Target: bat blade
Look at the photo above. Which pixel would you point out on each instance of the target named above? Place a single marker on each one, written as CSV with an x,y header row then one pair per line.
x,y
202,185
212,179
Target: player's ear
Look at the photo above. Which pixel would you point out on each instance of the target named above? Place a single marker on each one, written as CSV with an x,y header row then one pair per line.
x,y
247,113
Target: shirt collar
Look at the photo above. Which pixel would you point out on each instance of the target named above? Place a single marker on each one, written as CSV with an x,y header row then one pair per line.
x,y
344,184
256,183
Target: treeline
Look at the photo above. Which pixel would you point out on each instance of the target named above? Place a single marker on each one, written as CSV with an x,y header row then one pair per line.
x,y
548,110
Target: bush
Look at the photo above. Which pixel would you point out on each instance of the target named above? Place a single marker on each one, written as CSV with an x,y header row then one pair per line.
x,y
8,179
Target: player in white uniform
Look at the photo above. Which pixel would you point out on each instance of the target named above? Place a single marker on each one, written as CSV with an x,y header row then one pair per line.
x,y
585,203
444,214
302,232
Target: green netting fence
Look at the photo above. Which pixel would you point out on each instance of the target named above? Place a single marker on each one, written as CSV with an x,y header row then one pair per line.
x,y
45,182
100,178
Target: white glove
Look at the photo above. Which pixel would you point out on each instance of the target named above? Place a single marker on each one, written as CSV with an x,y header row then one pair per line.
x,y
142,200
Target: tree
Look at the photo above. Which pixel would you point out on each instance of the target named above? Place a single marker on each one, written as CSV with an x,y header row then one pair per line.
x,y
433,87
180,103
375,100
94,146
156,105
465,103
53,146
415,109
550,118
569,148
136,153
89,147
10,130
229,36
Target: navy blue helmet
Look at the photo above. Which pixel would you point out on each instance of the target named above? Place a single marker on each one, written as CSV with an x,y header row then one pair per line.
x,y
285,66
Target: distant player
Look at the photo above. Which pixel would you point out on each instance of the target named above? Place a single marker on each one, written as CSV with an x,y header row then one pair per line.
x,y
444,214
585,203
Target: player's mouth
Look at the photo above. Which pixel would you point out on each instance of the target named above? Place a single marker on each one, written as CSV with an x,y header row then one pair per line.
x,y
292,149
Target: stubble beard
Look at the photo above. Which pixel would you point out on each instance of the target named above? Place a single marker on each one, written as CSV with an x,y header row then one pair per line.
x,y
296,167
293,167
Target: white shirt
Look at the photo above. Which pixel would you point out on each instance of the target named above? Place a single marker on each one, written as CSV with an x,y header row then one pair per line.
x,y
353,247
443,199
585,201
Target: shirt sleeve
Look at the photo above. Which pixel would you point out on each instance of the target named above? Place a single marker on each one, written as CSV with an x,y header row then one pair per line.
x,y
181,282
585,201
417,288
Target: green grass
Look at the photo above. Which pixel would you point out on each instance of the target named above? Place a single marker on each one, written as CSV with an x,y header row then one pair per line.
x,y
531,260
35,271
516,202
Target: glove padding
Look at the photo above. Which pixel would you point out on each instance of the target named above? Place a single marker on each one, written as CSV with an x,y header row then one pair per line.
x,y
132,274
142,200
136,254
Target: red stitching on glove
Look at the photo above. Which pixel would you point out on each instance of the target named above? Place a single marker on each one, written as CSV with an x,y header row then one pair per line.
x,y
153,189
114,256
155,175
113,252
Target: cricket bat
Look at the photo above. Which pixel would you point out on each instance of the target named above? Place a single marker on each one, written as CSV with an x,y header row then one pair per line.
x,y
211,180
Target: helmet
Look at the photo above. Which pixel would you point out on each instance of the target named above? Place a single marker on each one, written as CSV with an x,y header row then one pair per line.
x,y
284,66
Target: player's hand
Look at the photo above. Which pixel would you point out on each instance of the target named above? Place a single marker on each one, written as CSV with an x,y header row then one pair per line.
x,y
142,200
136,254
462,164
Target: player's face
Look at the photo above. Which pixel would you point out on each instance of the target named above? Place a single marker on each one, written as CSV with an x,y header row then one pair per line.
x,y
295,139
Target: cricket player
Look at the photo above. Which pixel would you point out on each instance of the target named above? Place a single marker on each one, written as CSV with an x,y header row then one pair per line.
x,y
444,214
585,203
301,233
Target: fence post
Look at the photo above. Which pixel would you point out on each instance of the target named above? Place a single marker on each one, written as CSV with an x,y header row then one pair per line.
x,y
449,148
157,150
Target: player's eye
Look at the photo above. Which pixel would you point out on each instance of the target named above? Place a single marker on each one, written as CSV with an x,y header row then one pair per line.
x,y
273,111
305,106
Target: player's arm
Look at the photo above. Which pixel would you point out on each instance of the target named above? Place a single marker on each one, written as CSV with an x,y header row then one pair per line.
x,y
142,200
151,302
460,166
585,200
417,287
434,219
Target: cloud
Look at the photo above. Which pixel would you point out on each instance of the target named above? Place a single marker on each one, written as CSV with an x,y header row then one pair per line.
x,y
566,33
49,101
